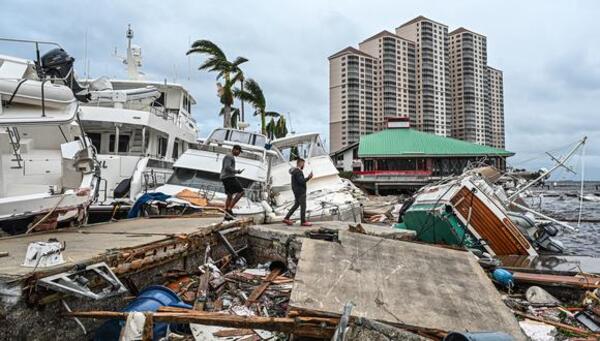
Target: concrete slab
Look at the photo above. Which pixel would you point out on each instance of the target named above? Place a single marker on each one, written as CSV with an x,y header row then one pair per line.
x,y
403,282
283,232
91,241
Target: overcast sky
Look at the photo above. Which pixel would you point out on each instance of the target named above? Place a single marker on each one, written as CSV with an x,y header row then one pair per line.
x,y
549,52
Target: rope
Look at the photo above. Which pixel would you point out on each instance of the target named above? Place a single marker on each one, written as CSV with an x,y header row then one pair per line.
x,y
46,216
15,92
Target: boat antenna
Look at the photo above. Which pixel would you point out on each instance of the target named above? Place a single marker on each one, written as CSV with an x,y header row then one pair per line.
x,y
132,71
581,188
85,58
189,61
559,163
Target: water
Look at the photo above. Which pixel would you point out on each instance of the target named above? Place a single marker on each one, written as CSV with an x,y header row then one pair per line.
x,y
564,205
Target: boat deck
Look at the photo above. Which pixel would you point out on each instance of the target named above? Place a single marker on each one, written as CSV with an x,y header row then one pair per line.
x,y
92,241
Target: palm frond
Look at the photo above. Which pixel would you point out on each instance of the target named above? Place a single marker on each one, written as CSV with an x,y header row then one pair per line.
x,y
211,64
238,76
243,95
258,98
207,47
272,114
237,61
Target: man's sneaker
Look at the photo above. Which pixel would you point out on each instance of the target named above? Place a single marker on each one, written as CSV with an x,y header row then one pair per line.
x,y
306,223
229,215
288,222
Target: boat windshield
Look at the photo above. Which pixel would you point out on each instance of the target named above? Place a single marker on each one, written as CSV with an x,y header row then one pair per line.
x,y
304,149
202,180
238,136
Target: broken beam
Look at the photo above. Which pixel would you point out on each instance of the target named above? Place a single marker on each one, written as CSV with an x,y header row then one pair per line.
x,y
305,327
583,282
558,325
257,293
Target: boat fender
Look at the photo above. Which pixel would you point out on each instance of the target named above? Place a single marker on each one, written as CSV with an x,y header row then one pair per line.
x,y
503,277
122,188
268,209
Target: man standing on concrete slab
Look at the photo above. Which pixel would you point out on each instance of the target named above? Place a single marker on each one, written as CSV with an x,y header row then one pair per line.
x,y
233,188
299,189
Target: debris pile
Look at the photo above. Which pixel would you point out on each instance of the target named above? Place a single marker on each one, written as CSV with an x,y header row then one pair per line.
x,y
232,294
576,313
260,291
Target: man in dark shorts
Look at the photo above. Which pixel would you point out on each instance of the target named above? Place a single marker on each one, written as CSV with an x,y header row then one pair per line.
x,y
299,189
233,188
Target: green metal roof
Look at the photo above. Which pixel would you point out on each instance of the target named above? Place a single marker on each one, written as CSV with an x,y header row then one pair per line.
x,y
410,142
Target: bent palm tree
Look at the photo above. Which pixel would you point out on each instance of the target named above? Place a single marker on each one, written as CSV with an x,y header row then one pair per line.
x,y
228,70
253,94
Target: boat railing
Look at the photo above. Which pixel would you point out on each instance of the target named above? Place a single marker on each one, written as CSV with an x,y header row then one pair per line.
x,y
154,178
208,191
225,149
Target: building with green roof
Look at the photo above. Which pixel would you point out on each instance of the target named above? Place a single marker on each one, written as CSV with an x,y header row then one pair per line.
x,y
399,157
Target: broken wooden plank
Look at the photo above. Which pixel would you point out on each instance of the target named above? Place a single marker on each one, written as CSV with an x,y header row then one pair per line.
x,y
233,332
558,325
583,282
258,291
148,331
306,327
202,293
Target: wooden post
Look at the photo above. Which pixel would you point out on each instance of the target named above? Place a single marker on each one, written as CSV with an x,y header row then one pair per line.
x,y
148,331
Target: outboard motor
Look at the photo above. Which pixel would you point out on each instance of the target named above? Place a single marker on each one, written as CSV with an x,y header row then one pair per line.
x,y
543,238
57,63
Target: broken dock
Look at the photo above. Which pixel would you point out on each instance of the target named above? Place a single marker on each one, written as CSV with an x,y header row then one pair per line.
x,y
422,290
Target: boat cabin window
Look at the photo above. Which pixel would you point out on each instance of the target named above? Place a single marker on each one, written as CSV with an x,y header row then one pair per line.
x,y
162,146
175,150
96,139
123,143
201,180
187,103
160,101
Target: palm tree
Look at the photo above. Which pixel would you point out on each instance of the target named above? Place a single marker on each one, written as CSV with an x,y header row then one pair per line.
x,y
235,116
228,70
277,129
253,94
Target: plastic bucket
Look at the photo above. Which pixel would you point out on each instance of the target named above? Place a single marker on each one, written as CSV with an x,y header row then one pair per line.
x,y
149,299
478,336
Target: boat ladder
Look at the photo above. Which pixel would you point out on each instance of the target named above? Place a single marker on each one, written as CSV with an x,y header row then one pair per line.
x,y
15,142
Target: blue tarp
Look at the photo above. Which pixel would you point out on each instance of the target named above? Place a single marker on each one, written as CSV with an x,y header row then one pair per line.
x,y
134,212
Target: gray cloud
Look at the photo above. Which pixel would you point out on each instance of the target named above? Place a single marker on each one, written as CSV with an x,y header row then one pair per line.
x,y
547,51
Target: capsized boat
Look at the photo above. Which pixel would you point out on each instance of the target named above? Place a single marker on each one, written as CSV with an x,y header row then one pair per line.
x,y
472,211
48,171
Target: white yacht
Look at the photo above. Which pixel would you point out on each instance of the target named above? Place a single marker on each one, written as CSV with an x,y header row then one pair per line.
x,y
266,178
198,170
328,196
48,172
138,128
